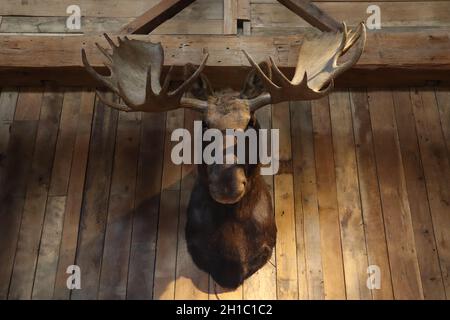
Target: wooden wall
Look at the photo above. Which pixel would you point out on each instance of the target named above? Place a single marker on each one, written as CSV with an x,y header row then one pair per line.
x,y
364,181
368,182
213,16
49,16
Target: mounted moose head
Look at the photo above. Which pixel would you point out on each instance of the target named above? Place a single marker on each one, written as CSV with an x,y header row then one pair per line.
x,y
230,229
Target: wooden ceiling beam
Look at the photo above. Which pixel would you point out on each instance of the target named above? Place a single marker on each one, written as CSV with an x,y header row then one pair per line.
x,y
155,16
397,58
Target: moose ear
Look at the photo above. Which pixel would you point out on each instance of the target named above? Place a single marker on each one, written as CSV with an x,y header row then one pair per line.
x,y
253,85
201,88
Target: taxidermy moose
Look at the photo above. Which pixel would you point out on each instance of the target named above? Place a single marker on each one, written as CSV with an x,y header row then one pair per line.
x,y
230,230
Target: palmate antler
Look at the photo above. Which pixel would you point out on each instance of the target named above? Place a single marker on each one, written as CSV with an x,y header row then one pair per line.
x,y
316,68
135,68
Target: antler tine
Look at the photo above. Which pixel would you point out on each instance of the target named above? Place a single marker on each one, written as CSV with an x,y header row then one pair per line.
x,y
269,84
352,37
112,104
103,50
186,84
282,78
360,33
162,95
111,43
322,71
93,73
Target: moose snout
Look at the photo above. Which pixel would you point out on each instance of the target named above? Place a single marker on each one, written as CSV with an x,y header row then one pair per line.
x,y
229,185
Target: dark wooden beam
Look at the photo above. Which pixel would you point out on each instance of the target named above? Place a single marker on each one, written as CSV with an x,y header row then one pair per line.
x,y
390,58
154,17
312,14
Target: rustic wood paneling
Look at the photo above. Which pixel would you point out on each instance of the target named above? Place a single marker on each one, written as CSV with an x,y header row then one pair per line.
x,y
377,158
273,18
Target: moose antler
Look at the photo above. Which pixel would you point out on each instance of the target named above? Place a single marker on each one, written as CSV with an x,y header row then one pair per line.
x,y
316,68
135,71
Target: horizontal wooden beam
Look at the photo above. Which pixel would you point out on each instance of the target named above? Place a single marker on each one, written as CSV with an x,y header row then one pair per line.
x,y
391,58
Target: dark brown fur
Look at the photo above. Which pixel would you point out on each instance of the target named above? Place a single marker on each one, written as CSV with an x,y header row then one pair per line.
x,y
230,229
231,241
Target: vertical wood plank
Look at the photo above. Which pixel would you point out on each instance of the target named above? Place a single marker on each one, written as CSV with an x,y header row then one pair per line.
x,y
16,173
96,198
351,222
306,206
69,238
397,216
436,167
286,252
65,144
44,281
332,260
443,101
243,10
247,28
166,246
116,251
370,194
230,14
263,284
8,100
145,220
28,104
36,196
427,256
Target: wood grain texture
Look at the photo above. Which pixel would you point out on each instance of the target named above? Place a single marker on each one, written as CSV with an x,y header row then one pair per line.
x,y
309,255
312,14
147,202
286,253
18,171
330,235
8,100
348,195
443,99
36,197
116,252
97,25
396,210
420,212
370,194
243,10
273,18
436,166
168,223
69,237
384,53
47,262
95,199
155,16
379,157
16,162
230,16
